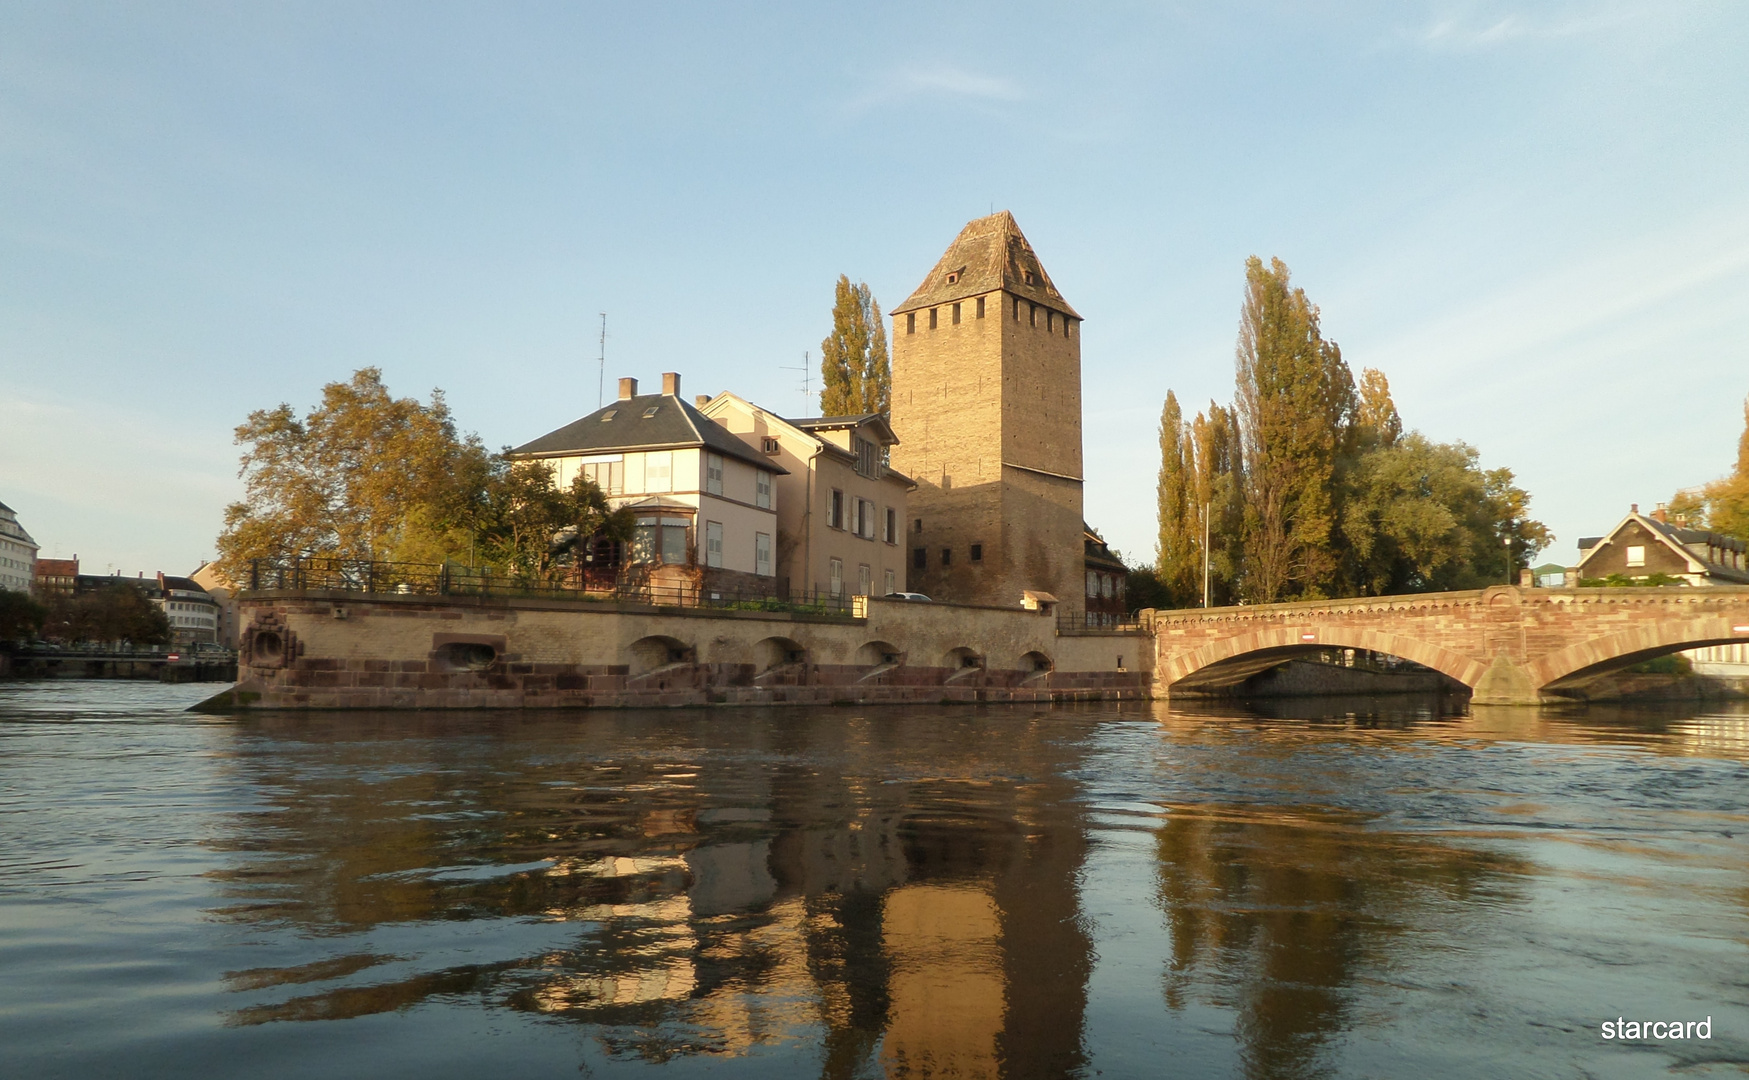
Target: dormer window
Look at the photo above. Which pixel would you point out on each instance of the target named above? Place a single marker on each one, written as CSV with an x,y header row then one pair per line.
x,y
609,415
953,277
651,411
1027,276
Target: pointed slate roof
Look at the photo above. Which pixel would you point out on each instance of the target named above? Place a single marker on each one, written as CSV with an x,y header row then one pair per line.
x,y
623,425
989,254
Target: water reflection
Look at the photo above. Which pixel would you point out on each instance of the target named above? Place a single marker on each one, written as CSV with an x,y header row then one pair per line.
x,y
916,910
1309,889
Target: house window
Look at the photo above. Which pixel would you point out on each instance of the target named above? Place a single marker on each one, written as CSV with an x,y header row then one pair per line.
x,y
835,509
932,317
1106,583
769,444
1092,584
659,471
977,552
660,540
652,411
910,322
865,519
868,457
1636,555
835,569
762,493
609,476
946,556
920,558
864,579
762,553
956,314
892,582
980,307
713,543
891,536
713,474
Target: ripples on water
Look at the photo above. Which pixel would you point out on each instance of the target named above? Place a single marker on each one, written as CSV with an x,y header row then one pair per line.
x,y
1336,889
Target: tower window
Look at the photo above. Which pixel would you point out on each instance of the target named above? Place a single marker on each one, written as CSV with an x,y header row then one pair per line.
x,y
980,307
920,558
910,322
919,527
1031,314
956,314
977,552
1065,326
1050,321
933,313
946,556
1017,309
1028,277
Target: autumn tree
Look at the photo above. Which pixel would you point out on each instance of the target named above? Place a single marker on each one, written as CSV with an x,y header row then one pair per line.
x,y
20,615
1296,408
1217,494
1376,420
1727,500
362,475
856,373
112,614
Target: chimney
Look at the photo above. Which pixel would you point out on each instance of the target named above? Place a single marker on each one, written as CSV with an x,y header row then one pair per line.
x,y
702,400
1661,514
628,388
1633,508
671,383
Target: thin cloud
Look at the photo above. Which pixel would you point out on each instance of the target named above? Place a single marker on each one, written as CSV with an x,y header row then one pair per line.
x,y
1458,34
942,80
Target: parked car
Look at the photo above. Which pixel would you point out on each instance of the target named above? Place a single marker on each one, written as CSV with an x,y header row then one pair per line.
x,y
908,596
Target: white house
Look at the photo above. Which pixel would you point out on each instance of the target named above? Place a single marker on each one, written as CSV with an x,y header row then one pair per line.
x,y
706,502
17,552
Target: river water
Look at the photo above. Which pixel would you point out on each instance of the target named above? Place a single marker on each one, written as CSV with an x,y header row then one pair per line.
x,y
1361,888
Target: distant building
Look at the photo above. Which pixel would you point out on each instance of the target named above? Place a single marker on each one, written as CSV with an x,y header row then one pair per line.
x,y
224,597
841,508
705,501
1642,545
1106,575
56,577
17,552
193,613
1549,575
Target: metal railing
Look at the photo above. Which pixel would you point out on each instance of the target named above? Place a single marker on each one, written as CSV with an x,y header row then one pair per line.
x,y
1072,621
447,579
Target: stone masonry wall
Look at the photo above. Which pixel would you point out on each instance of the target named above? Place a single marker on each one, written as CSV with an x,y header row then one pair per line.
x,y
347,650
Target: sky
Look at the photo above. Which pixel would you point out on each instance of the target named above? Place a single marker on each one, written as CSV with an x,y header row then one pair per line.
x,y
1533,218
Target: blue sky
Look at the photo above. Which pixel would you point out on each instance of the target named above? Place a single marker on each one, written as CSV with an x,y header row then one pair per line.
x,y
1533,218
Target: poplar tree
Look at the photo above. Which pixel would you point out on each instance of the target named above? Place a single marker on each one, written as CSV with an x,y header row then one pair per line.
x,y
1376,419
1296,405
856,373
1727,500
1180,531
1217,491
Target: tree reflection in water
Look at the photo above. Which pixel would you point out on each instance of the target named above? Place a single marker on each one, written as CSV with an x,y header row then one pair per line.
x,y
901,890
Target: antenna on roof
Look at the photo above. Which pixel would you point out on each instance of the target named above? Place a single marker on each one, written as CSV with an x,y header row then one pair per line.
x,y
807,393
601,373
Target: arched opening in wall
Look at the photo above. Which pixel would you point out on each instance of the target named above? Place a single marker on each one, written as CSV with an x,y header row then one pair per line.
x,y
776,652
879,654
1316,670
465,656
1037,663
266,649
962,660
651,653
1650,669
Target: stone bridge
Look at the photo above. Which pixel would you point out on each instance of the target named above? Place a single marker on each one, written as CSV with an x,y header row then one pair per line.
x,y
1506,645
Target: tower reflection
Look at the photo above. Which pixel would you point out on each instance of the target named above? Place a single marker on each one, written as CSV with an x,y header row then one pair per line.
x,y
900,890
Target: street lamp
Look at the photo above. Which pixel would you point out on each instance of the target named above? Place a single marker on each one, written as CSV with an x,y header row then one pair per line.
x,y
1507,541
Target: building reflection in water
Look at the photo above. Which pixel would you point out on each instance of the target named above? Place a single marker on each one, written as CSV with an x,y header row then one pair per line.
x,y
902,892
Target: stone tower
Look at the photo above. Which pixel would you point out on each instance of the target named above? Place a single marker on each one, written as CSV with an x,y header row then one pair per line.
x,y
986,402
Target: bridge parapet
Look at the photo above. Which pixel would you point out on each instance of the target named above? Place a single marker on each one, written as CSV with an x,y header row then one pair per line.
x,y
1505,644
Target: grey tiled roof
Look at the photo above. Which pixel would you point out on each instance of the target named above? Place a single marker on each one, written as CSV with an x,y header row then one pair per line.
x,y
670,423
989,254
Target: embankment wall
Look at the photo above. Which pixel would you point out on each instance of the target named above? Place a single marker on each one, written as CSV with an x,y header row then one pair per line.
x,y
322,650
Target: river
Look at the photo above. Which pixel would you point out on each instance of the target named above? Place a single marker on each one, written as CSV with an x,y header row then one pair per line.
x,y
1343,888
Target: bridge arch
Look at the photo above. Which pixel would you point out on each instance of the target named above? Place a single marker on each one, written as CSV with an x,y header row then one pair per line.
x,y
1230,661
1573,666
